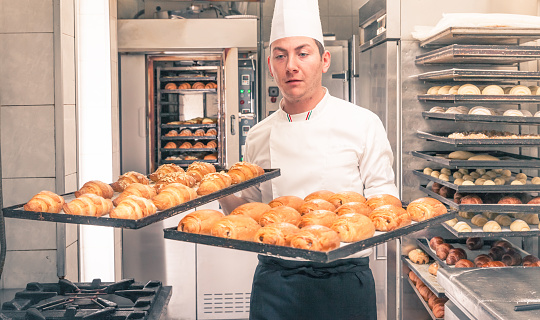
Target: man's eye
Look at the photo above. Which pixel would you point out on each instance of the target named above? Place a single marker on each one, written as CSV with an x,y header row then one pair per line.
x,y
280,56
303,54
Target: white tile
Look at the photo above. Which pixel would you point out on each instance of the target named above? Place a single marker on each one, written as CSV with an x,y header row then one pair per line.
x,y
39,266
18,16
70,140
72,262
67,11
340,8
68,69
70,183
18,191
30,235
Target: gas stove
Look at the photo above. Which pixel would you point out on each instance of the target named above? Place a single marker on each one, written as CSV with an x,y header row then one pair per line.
x,y
124,300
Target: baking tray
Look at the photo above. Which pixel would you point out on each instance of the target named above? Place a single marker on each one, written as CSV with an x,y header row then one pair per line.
x,y
167,138
188,126
455,74
442,137
189,91
507,188
423,243
316,256
508,160
423,302
186,78
482,35
500,208
189,150
481,118
185,163
480,54
421,270
480,98
18,212
479,233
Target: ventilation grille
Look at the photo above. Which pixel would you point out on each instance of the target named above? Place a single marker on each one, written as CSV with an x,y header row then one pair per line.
x,y
226,303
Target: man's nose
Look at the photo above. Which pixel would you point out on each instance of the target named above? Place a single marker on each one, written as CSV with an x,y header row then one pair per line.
x,y
292,64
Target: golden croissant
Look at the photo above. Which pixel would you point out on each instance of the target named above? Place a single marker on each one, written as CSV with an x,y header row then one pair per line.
x,y
341,198
252,209
316,204
199,169
200,221
280,214
389,218
289,201
133,207
172,195
519,225
319,217
352,227
425,208
45,201
213,182
321,194
96,187
237,227
89,204
276,233
354,207
163,170
128,178
243,171
318,238
175,177
136,189
520,90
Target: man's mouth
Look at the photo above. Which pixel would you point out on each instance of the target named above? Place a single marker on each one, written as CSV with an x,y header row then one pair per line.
x,y
293,81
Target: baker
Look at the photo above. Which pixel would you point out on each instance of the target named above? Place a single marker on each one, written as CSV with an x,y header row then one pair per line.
x,y
319,142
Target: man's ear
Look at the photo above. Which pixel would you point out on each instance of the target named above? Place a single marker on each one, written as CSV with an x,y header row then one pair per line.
x,y
326,59
270,68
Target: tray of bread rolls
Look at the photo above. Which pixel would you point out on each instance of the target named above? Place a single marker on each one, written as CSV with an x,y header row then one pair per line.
x,y
476,253
513,116
426,274
322,227
488,202
479,54
482,138
423,292
495,159
135,200
455,74
482,35
189,91
493,224
478,98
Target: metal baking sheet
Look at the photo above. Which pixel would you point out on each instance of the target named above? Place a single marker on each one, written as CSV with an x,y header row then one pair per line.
x,y
423,243
18,212
481,118
428,309
508,160
529,187
421,270
189,150
187,78
167,138
501,208
482,35
188,126
442,137
316,256
480,98
480,54
479,75
479,233
185,163
189,91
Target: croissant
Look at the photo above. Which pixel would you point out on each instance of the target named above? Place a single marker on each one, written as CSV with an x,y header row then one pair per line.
x,y
531,218
519,225
354,207
316,204
321,194
163,170
172,133
425,293
170,86
318,238
454,255
352,227
341,198
438,109
199,132
252,209
45,201
481,260
321,217
433,90
425,208
212,144
496,253
276,233
133,207
511,258
280,214
383,199
509,200
444,90
503,244
442,250
184,85
96,187
198,85
199,169
481,111
128,178
185,133
451,222
200,221
529,260
435,242
503,220
172,195
243,171
493,90
466,214
289,201
474,243
136,189
170,145
213,182
237,227
468,88
210,85
186,145
520,90
454,89
211,132
494,264
210,157
418,256
438,309
389,218
414,278
513,113
175,177
491,226
462,227
89,204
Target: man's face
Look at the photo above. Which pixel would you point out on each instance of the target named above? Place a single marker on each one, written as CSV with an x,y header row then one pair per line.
x,y
297,67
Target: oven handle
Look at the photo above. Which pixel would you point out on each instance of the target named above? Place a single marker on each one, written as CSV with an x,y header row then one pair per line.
x,y
233,119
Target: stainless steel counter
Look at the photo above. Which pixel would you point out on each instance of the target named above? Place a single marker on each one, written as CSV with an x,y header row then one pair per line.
x,y
492,293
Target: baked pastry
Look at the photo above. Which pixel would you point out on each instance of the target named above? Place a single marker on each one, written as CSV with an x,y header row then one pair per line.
x,y
433,90
471,199
213,182
184,85
212,144
425,293
493,90
433,268
496,253
200,221
466,214
289,201
175,177
418,256
316,204
454,255
468,88
503,220
96,187
509,200
482,259
451,222
483,157
503,244
318,238
383,199
414,278
252,209
136,189
464,263
352,227
454,89
493,264
444,90
210,157
340,198
199,169
520,90
492,226
354,207
321,217
185,133
243,171
321,194
479,220
211,132
186,145
513,113
490,215
531,218
436,187
474,243
198,85
529,260
437,109
462,226
511,258
89,204
457,110
172,133
534,201
199,133
447,192
210,85
198,145
479,110
276,233
170,145
171,86
438,308
425,208
389,218
280,214
128,178
134,208
237,227
460,155
163,170
435,242
172,195
519,225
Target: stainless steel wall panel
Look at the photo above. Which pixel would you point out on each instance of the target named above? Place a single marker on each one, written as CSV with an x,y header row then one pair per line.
x,y
39,266
16,191
72,233
26,16
68,69
30,235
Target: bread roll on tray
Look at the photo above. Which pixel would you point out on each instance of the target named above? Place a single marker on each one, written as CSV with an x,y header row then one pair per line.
x,y
418,256
163,170
321,217
383,199
321,194
354,207
341,198
134,208
45,201
200,221
89,204
96,187
173,195
213,182
243,171
175,177
318,238
425,208
199,169
254,210
237,227
289,201
280,214
352,227
316,204
435,242
128,178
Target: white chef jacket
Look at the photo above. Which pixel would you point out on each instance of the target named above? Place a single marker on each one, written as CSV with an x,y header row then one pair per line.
x,y
337,146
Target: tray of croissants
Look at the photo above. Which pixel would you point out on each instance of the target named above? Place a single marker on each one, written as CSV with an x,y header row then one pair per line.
x,y
136,200
321,227
433,303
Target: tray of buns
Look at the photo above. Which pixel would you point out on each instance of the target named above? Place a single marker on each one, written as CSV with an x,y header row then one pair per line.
x,y
518,140
479,98
477,251
486,186
479,54
187,78
421,271
188,126
498,159
428,309
482,35
492,206
170,138
469,229
198,199
455,74
179,160
482,118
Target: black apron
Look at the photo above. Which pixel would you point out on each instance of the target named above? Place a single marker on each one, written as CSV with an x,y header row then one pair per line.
x,y
297,290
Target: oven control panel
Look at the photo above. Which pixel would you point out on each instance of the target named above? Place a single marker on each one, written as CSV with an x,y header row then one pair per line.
x,y
247,110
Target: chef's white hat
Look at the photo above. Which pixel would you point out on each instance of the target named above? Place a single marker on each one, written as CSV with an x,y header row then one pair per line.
x,y
293,18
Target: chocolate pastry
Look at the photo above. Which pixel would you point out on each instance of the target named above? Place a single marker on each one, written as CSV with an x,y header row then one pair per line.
x,y
435,241
529,260
504,244
442,250
482,259
474,243
496,253
511,258
464,263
